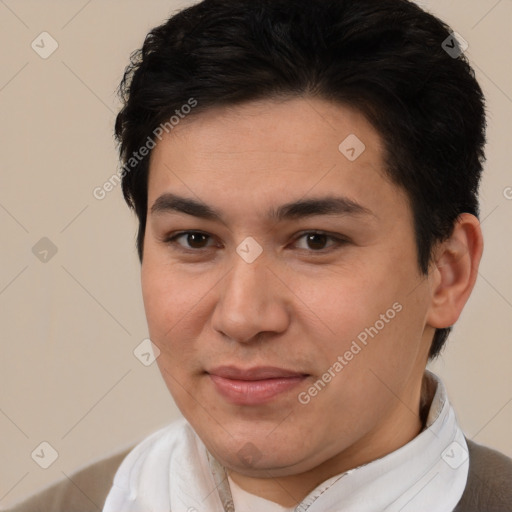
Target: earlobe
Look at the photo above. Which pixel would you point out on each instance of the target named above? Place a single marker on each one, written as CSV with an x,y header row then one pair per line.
x,y
454,271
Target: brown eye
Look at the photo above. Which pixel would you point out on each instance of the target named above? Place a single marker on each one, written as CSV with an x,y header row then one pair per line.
x,y
317,242
193,240
196,240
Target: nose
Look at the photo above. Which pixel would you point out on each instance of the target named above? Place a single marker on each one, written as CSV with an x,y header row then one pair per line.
x,y
252,301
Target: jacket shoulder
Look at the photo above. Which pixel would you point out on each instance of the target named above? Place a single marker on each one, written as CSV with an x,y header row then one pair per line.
x,y
83,491
489,484
87,489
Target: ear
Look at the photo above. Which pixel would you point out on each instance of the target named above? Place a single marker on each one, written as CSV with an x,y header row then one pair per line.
x,y
454,271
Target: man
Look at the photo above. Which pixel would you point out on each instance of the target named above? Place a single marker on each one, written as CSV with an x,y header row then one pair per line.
x,y
305,176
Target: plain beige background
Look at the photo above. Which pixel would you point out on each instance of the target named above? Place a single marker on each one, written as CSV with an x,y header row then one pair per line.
x,y
69,326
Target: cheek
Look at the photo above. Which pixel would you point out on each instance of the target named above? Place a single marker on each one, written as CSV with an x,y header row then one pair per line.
x,y
168,312
348,304
165,299
156,299
176,306
372,306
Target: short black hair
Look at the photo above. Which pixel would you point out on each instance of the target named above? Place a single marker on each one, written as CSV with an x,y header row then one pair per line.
x,y
389,59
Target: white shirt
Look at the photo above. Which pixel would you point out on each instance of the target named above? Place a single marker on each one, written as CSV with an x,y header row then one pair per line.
x,y
247,502
172,470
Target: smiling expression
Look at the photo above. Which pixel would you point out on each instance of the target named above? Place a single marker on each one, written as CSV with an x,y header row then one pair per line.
x,y
267,252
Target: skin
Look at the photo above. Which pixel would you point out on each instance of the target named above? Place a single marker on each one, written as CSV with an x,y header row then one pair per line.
x,y
301,303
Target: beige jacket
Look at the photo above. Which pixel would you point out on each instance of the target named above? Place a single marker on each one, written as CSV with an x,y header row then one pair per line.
x,y
488,489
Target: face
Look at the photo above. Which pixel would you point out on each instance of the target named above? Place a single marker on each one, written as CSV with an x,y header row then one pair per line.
x,y
281,285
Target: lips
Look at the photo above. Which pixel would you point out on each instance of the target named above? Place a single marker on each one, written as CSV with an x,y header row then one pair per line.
x,y
253,386
257,373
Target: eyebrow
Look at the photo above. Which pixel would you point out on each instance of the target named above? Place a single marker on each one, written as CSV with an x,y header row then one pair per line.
x,y
302,208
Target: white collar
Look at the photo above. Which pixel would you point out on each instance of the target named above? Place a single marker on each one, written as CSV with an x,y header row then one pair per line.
x,y
172,469
247,502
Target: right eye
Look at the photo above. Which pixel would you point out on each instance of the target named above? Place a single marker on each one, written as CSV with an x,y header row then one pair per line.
x,y
195,240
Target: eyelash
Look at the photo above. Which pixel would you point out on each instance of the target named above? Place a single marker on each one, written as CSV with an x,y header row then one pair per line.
x,y
338,241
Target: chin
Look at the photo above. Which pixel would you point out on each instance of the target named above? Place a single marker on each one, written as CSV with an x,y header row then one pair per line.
x,y
254,453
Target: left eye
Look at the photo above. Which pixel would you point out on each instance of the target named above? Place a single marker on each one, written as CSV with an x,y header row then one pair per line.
x,y
318,240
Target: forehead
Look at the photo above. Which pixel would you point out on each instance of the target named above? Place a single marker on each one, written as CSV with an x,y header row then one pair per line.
x,y
301,127
268,150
